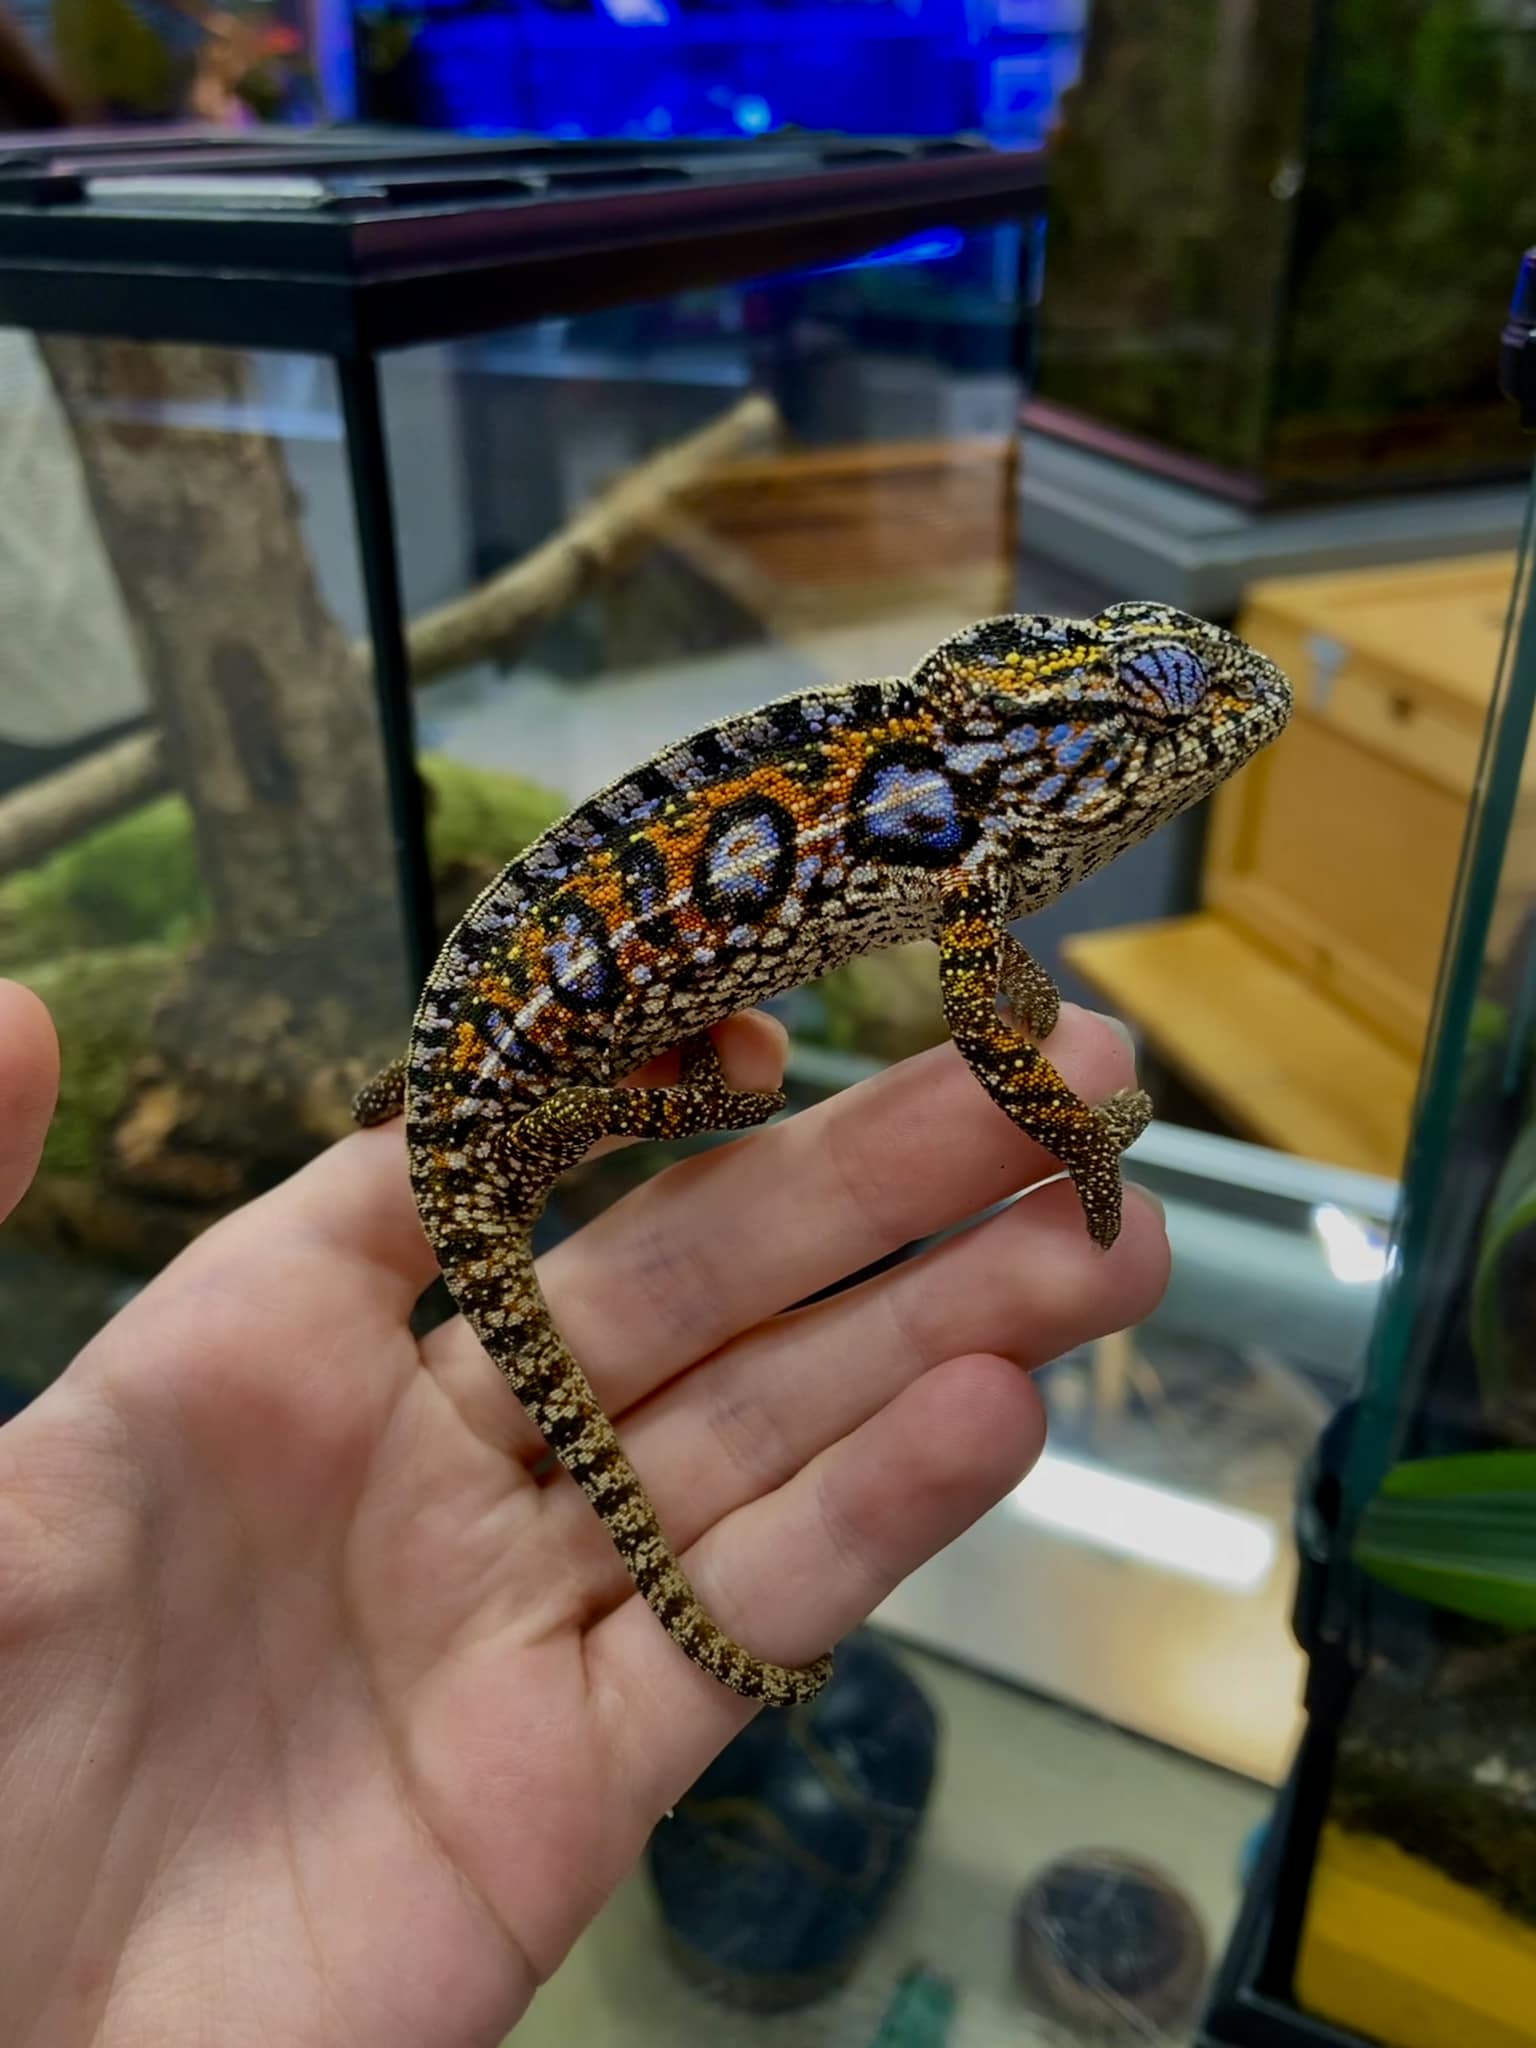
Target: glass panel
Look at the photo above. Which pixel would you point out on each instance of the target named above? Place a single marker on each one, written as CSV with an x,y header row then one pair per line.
x,y
1428,1819
198,862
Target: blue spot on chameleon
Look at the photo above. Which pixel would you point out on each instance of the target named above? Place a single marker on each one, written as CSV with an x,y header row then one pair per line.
x,y
1052,786
746,863
499,1031
580,967
740,864
912,806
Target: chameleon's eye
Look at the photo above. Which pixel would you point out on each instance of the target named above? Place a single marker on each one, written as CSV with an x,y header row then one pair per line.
x,y
1167,678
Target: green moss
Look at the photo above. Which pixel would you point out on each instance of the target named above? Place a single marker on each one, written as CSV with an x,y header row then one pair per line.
x,y
136,879
1276,234
133,879
480,815
99,929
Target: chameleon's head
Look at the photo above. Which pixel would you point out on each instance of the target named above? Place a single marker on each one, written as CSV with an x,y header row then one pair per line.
x,y
1095,731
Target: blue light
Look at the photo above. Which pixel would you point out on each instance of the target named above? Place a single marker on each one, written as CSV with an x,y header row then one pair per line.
x,y
928,245
737,67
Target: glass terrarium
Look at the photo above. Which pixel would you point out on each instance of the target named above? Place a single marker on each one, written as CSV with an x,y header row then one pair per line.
x,y
1397,1905
379,502
1277,235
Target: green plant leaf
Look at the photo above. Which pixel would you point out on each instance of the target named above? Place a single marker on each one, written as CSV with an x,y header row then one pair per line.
x,y
1459,1533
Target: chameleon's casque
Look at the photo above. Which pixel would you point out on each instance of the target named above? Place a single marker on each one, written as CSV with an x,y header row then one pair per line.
x,y
1022,755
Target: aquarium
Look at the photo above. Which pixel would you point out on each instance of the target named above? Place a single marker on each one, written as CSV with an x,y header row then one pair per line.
x,y
1278,236
412,495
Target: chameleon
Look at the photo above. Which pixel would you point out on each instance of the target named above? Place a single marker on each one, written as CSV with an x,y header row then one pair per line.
x,y
1019,757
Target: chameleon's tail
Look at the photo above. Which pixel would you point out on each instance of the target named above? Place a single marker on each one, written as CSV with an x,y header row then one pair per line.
x,y
490,1273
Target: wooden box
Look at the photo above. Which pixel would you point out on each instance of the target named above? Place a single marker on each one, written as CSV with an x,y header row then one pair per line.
x,y
1296,1000
1338,849
819,535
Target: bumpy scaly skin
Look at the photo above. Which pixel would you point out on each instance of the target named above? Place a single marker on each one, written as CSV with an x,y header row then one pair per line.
x,y
1022,755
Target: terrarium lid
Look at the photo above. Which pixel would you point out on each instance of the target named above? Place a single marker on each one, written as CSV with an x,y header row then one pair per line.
x,y
350,241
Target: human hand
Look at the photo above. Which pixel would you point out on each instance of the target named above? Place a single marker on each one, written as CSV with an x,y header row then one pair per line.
x,y
322,1717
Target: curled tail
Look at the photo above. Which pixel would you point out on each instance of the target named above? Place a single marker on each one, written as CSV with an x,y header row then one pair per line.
x,y
481,1186
554,1390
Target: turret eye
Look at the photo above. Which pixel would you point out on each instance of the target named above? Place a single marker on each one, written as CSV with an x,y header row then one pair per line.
x,y
1166,678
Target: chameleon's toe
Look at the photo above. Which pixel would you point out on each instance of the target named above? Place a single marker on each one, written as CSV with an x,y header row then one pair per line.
x,y
1125,1116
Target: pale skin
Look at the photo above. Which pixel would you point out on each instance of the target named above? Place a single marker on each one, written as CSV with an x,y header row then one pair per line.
x,y
322,1719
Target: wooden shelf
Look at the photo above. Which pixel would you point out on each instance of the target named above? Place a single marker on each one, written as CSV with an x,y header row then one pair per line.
x,y
1280,1063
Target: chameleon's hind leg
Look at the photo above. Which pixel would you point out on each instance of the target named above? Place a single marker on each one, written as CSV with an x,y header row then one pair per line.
x,y
383,1098
554,1133
561,1127
1088,1138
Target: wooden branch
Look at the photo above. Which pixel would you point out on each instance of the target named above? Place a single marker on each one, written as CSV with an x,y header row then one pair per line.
x,y
497,617
504,613
49,813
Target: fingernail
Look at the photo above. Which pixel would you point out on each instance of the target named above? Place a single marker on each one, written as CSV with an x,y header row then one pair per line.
x,y
1154,1201
1121,1029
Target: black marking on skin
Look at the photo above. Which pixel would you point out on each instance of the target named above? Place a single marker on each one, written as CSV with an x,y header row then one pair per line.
x,y
711,754
790,727
644,875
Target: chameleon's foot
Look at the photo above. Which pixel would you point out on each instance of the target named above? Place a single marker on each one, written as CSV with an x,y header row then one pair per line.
x,y
383,1098
1097,1177
1125,1116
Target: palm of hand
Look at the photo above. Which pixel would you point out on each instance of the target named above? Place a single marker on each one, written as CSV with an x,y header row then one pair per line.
x,y
343,1719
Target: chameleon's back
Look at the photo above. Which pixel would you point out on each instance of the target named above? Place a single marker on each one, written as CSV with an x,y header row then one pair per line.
x,y
748,859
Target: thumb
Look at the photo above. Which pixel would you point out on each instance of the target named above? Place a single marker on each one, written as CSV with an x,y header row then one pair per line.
x,y
29,1087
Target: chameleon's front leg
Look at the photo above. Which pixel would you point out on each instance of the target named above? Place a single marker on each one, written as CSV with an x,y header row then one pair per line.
x,y
976,958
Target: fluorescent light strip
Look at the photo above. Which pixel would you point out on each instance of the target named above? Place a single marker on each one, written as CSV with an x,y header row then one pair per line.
x,y
1152,1524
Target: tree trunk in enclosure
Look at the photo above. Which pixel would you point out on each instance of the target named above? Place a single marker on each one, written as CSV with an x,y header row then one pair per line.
x,y
268,729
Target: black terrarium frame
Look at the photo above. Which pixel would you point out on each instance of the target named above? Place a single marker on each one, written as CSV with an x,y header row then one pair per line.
x,y
348,245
